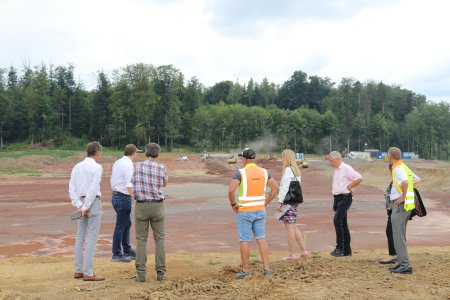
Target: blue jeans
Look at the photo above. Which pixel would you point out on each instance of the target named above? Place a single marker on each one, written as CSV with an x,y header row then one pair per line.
x,y
342,203
121,238
251,221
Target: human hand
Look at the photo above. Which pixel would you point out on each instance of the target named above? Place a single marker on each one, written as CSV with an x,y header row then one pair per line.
x,y
84,212
399,200
76,215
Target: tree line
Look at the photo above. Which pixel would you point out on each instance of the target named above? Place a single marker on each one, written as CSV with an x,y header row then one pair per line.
x,y
141,103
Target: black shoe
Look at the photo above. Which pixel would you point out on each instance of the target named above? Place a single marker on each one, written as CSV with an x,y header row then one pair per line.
x,y
160,276
394,267
347,253
337,253
131,255
123,259
401,270
140,278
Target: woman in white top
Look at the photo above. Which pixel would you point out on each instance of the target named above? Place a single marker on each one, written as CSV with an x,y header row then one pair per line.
x,y
291,172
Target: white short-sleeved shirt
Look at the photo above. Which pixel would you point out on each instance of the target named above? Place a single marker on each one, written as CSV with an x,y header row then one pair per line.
x,y
400,175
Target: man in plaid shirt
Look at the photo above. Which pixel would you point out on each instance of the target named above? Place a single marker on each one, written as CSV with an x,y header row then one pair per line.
x,y
148,180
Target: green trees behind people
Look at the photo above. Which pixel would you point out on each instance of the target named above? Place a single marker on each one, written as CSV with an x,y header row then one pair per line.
x,y
140,103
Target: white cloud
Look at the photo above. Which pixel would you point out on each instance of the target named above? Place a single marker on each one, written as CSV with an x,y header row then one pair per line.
x,y
398,42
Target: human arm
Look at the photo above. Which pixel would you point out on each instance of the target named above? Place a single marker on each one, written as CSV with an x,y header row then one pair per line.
x,y
73,190
130,190
93,190
353,177
232,193
273,190
166,177
284,185
128,177
404,187
353,184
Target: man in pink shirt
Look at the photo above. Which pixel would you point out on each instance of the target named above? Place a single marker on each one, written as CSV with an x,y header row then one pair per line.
x,y
345,179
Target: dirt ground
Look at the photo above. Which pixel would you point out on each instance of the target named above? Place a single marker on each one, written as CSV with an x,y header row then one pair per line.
x,y
37,238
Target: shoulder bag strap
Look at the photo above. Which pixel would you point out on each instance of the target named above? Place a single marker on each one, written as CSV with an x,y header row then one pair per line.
x,y
294,174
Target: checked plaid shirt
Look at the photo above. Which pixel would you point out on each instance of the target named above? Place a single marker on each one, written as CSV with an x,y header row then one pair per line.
x,y
148,180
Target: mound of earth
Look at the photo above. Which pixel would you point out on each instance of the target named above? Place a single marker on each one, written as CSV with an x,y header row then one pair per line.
x,y
211,276
216,167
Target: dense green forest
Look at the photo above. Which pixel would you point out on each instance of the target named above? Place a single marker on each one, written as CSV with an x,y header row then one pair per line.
x,y
47,106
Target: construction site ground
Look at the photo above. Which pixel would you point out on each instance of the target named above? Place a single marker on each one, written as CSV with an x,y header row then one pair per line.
x,y
37,237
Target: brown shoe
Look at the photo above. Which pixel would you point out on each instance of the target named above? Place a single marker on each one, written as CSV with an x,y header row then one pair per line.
x,y
78,275
385,261
93,278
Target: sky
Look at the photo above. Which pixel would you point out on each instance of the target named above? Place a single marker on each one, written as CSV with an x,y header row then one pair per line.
x,y
399,42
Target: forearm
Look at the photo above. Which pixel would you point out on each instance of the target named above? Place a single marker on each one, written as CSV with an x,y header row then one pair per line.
x,y
232,198
273,193
404,189
354,184
274,189
130,191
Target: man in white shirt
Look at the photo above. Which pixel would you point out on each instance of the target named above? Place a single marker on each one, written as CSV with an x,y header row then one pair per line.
x,y
403,181
84,190
122,187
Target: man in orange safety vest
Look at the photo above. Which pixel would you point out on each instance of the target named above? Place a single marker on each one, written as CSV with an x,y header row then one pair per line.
x,y
251,208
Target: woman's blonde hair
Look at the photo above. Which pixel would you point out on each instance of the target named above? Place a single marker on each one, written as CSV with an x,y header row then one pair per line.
x,y
289,161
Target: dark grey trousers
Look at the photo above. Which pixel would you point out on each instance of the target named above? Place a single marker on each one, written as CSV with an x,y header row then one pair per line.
x,y
399,219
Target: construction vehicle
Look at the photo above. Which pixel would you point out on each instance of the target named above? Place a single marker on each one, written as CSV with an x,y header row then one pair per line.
x,y
232,159
304,163
205,155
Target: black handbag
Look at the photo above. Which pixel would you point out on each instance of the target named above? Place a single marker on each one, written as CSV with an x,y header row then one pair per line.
x,y
294,194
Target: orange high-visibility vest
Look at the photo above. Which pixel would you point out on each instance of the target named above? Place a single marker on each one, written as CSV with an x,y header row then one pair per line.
x,y
252,189
409,201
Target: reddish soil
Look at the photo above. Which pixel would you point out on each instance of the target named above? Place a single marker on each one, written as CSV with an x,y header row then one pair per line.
x,y
34,222
34,213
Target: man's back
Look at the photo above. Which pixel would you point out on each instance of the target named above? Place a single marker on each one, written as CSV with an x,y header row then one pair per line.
x,y
85,180
121,174
149,179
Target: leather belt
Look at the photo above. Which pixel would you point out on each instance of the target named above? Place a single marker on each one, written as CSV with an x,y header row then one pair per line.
x,y
150,200
341,196
121,194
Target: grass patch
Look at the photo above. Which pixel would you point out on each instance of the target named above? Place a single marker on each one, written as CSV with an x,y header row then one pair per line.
x,y
58,153
21,172
213,262
48,152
